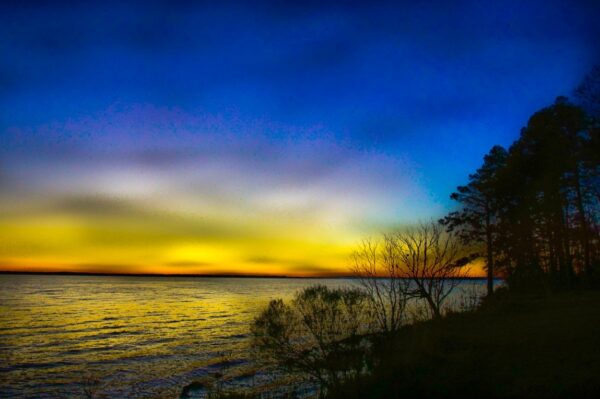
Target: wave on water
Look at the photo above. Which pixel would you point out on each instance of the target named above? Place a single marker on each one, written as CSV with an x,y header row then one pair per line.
x,y
139,338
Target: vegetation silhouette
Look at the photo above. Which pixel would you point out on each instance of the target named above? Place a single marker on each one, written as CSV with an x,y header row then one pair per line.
x,y
328,334
531,212
377,264
534,207
320,333
512,346
417,262
475,222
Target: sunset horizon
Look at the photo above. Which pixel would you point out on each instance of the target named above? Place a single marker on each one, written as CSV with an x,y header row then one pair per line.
x,y
204,150
299,199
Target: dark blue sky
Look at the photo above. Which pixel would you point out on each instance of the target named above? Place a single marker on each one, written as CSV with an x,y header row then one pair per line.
x,y
379,109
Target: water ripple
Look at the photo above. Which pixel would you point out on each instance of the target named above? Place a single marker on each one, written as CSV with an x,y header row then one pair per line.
x,y
140,337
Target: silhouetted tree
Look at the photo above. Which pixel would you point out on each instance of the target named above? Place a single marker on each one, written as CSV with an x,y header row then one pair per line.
x,y
476,221
319,333
588,92
549,161
588,96
433,260
378,266
535,207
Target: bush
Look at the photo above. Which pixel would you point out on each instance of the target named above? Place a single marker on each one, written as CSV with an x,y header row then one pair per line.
x,y
320,333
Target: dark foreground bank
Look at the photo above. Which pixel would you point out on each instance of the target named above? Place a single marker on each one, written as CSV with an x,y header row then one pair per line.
x,y
533,346
515,346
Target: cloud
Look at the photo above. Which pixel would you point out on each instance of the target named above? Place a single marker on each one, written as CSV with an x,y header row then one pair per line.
x,y
158,154
159,186
196,133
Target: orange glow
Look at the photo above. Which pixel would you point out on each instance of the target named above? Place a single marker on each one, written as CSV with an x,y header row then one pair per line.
x,y
156,241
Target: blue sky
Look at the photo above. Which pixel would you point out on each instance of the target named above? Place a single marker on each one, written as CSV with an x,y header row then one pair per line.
x,y
312,117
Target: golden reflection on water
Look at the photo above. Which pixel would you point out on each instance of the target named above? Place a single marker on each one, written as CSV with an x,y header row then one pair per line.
x,y
143,337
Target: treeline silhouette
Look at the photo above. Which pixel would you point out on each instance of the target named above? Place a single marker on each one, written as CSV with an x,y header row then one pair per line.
x,y
531,211
533,208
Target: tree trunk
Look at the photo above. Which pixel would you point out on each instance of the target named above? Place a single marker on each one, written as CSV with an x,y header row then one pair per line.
x,y
583,224
490,252
434,307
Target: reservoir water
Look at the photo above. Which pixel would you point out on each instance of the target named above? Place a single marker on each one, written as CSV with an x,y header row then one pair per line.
x,y
139,337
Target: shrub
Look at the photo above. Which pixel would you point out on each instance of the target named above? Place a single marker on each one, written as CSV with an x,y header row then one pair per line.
x,y
320,333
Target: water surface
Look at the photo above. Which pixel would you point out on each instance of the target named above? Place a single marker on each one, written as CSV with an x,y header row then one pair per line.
x,y
141,336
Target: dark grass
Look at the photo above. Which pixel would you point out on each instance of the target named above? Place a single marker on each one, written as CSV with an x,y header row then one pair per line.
x,y
513,347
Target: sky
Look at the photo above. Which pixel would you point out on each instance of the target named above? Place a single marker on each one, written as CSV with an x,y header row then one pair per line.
x,y
258,137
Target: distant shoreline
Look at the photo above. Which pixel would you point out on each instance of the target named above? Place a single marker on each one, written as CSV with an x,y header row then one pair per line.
x,y
225,275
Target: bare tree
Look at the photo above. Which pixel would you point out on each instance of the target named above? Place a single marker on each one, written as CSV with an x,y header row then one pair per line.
x,y
377,264
432,259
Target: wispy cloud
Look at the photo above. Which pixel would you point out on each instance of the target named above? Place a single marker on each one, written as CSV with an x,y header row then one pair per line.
x,y
168,134
158,186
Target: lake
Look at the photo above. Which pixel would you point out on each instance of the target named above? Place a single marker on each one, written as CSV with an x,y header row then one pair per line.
x,y
141,337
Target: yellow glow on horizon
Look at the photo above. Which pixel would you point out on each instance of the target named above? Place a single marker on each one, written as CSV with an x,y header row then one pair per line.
x,y
166,243
55,243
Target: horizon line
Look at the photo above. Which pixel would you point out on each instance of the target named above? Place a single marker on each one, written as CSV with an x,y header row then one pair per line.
x,y
196,275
